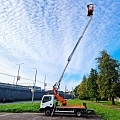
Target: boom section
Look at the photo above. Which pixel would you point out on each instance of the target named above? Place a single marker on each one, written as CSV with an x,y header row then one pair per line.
x,y
57,84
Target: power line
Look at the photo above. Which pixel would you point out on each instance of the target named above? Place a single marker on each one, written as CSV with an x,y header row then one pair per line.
x,y
7,74
23,78
25,83
27,79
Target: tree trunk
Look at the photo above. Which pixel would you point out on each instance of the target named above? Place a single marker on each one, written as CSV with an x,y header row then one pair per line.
x,y
113,102
97,100
92,99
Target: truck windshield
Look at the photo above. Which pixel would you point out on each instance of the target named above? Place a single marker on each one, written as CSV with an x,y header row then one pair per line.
x,y
46,99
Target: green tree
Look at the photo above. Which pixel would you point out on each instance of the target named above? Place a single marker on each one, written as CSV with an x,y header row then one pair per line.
x,y
75,91
82,90
92,86
108,80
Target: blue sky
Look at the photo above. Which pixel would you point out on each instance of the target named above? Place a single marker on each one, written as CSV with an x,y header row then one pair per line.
x,y
42,34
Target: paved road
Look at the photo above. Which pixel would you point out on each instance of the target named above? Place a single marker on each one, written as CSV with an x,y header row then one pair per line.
x,y
41,116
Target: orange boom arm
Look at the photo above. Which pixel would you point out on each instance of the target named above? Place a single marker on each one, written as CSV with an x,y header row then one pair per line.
x,y
63,101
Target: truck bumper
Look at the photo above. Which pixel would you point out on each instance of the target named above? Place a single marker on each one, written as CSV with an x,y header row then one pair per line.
x,y
41,110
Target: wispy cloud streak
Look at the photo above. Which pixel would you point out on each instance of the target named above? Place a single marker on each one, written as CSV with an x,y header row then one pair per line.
x,y
43,33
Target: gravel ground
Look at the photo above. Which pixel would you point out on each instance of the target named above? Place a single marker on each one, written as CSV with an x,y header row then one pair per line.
x,y
41,116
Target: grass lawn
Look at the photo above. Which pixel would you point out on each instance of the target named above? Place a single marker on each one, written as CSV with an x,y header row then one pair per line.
x,y
107,112
104,110
109,103
21,107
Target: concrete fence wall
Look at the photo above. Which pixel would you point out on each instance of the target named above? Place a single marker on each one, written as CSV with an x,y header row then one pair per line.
x,y
24,93
19,94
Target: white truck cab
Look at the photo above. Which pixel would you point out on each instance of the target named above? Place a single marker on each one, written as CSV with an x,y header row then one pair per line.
x,y
47,104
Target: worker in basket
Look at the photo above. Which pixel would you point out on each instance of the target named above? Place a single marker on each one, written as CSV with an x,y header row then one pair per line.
x,y
90,9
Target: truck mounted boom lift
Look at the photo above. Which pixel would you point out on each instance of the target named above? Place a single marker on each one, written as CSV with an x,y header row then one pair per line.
x,y
47,102
57,84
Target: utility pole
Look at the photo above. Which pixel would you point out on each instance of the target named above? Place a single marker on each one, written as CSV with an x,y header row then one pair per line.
x,y
18,77
44,82
35,76
13,80
33,89
65,91
72,93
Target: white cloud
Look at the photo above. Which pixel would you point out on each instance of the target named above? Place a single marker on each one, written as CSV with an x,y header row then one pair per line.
x,y
42,34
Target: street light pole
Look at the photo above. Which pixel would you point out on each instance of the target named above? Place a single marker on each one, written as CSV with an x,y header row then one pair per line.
x,y
65,92
18,69
13,80
18,77
35,76
33,89
44,81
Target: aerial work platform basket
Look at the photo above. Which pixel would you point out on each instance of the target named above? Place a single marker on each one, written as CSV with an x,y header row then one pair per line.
x,y
90,9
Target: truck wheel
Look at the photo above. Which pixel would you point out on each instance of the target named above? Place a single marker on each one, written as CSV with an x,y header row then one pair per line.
x,y
78,113
48,112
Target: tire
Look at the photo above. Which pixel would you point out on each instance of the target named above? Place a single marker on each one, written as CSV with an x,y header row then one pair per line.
x,y
78,113
47,112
